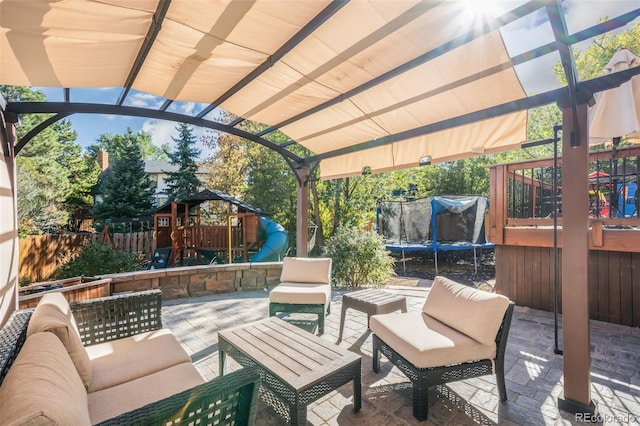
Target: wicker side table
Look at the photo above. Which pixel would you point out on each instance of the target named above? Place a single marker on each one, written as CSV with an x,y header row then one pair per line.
x,y
371,302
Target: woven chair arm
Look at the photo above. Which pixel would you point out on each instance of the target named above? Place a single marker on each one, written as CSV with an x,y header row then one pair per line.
x,y
109,318
225,400
12,337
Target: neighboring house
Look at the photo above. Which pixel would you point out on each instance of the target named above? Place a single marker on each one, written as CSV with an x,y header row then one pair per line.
x,y
156,170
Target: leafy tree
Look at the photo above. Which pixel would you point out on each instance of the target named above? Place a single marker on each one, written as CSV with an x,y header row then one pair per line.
x,y
461,177
226,170
39,210
83,170
54,175
183,182
271,185
127,190
227,166
116,145
591,62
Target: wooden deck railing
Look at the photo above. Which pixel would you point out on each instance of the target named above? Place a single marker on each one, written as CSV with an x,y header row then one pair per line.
x,y
521,219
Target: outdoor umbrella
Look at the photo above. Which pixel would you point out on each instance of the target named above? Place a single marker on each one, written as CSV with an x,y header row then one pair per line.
x,y
616,113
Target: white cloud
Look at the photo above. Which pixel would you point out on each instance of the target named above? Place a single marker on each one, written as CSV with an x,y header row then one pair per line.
x,y
187,108
162,132
145,100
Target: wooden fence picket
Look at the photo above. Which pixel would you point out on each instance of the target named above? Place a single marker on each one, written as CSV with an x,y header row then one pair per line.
x,y
40,255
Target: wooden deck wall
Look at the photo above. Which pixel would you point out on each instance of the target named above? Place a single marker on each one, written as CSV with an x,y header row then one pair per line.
x,y
525,275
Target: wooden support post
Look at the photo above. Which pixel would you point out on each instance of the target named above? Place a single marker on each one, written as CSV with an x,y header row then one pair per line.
x,y
498,207
575,263
302,216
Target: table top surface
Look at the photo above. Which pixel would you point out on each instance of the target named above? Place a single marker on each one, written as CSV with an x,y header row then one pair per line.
x,y
372,296
295,356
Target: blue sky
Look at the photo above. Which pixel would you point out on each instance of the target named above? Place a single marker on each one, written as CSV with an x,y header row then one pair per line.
x,y
519,37
90,126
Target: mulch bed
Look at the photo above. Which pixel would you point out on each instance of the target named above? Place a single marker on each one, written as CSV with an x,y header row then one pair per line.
x,y
456,265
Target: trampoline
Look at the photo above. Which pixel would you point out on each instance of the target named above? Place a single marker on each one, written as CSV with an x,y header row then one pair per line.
x,y
440,223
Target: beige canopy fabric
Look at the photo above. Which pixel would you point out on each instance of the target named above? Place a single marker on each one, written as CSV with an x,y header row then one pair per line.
x,y
203,49
616,112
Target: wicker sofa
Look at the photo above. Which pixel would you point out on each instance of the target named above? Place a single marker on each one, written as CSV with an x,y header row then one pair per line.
x,y
109,361
460,333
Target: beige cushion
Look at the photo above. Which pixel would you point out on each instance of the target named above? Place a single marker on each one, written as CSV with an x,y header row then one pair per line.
x,y
426,342
111,402
476,313
301,294
43,386
306,270
132,357
54,315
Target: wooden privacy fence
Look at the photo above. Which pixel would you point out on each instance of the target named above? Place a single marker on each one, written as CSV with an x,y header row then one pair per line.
x,y
140,243
40,255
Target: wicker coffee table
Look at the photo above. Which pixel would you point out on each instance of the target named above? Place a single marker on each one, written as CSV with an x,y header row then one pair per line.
x,y
295,366
371,302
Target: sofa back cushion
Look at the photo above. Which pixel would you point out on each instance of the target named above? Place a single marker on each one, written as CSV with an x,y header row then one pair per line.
x,y
43,386
53,314
306,270
476,313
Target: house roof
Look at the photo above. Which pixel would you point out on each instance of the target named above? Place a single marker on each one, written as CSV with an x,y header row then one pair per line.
x,y
364,85
212,195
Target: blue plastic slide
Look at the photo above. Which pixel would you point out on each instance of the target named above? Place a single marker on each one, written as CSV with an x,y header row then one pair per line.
x,y
276,244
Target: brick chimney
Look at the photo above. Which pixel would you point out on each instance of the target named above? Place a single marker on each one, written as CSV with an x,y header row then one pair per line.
x,y
103,159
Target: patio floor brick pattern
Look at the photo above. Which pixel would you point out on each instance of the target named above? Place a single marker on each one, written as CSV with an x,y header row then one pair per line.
x,y
533,371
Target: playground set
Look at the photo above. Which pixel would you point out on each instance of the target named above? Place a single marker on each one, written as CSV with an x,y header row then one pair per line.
x,y
180,239
613,195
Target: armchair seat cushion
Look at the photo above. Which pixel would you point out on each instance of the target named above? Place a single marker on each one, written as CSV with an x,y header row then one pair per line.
x,y
108,403
301,294
426,342
126,359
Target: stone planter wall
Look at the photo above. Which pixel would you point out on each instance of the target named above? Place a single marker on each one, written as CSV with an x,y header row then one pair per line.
x,y
194,281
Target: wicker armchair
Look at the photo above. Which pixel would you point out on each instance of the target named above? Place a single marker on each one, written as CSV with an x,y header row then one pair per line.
x,y
229,399
460,334
305,287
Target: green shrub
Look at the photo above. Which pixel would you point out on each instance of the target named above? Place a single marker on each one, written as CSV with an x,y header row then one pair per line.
x,y
98,259
358,258
24,281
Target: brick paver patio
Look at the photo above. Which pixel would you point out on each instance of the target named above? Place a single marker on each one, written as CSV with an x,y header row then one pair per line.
x,y
534,372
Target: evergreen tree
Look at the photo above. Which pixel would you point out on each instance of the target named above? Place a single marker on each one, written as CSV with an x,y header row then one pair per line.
x,y
183,182
127,190
54,175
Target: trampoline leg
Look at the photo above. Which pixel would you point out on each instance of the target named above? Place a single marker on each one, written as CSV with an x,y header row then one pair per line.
x,y
435,258
404,267
475,262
